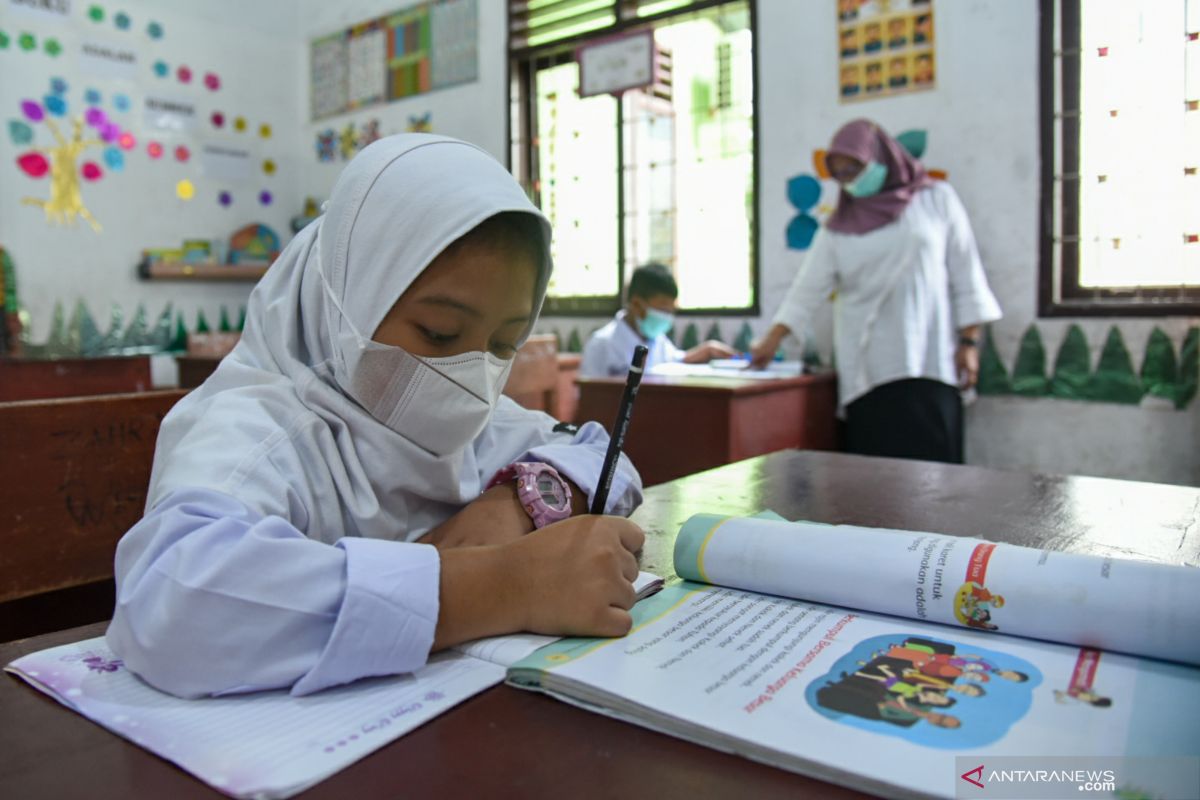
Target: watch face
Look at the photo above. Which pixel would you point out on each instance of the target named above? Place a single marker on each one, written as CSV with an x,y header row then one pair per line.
x,y
551,491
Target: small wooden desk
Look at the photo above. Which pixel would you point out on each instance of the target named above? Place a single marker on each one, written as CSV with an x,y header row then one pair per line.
x,y
38,379
509,743
684,425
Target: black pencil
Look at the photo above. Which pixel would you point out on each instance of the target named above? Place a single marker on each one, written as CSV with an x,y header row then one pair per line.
x,y
632,381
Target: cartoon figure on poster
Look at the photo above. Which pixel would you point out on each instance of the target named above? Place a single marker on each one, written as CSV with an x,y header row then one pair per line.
x,y
928,691
92,129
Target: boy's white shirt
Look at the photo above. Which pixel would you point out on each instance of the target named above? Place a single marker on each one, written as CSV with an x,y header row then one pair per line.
x,y
609,351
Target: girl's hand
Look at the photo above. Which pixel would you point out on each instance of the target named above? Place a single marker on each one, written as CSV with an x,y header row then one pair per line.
x,y
575,577
572,578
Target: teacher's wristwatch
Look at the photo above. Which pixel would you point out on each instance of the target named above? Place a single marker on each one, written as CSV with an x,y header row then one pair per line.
x,y
544,494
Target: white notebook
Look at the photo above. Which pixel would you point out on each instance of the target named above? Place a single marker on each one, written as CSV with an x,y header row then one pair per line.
x,y
270,744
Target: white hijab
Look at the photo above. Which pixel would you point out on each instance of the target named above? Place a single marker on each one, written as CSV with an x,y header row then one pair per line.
x,y
274,427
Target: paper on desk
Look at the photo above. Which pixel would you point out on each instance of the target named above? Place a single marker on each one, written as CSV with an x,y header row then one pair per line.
x,y
267,744
271,744
728,368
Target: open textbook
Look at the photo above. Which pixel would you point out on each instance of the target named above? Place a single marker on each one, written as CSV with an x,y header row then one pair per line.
x,y
886,704
270,744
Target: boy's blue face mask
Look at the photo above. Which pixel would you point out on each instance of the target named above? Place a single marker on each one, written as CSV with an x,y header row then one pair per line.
x,y
868,182
655,323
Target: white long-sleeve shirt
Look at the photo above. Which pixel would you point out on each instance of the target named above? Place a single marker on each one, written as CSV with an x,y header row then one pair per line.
x,y
215,598
902,293
609,351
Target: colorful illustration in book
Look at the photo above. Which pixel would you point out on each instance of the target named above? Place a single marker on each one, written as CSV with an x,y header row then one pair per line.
x,y
973,604
930,692
1081,690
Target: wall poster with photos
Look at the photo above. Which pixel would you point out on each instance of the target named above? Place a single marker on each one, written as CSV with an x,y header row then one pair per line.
x,y
885,47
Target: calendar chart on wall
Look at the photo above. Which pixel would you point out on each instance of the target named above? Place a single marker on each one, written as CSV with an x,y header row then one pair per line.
x,y
418,49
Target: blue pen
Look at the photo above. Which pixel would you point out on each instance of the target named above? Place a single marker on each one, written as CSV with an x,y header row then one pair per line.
x,y
632,381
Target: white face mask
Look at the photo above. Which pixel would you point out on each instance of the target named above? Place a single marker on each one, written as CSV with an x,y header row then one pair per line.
x,y
439,404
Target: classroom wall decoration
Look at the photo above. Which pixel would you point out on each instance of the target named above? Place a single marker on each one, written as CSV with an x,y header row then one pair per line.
x,y
1163,377
346,142
885,48
60,160
427,46
62,155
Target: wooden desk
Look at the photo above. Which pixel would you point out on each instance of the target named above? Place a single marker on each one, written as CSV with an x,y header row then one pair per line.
x,y
510,743
684,425
37,379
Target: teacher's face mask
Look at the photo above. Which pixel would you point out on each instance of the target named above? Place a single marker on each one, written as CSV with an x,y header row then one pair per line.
x,y
869,181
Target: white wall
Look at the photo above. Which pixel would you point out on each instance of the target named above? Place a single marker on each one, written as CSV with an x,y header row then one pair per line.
x,y
256,59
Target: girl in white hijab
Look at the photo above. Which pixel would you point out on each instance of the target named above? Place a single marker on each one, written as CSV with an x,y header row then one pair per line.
x,y
309,503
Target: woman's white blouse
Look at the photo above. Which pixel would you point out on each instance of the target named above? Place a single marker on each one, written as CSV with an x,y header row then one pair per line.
x,y
900,294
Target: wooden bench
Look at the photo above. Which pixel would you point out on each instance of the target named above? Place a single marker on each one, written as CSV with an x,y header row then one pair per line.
x,y
73,478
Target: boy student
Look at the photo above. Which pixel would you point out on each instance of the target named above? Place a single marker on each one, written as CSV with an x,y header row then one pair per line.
x,y
350,491
648,316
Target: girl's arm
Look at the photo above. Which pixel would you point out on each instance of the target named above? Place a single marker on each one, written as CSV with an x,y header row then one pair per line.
x,y
214,599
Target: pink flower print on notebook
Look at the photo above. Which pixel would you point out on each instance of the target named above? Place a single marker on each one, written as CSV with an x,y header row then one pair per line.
x,y
100,664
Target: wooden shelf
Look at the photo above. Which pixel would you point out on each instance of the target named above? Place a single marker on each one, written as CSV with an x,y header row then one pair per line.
x,y
177,271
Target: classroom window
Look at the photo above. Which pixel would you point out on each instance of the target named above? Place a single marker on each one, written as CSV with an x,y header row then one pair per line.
x,y
663,173
1121,156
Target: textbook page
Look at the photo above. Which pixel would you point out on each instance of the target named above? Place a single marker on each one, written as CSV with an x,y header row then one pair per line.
x,y
1111,604
872,702
266,744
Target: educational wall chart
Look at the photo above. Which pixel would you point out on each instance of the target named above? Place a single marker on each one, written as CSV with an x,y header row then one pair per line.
x,y
885,47
427,46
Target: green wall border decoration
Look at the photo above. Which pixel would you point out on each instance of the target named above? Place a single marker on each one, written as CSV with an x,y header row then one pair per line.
x,y
1163,374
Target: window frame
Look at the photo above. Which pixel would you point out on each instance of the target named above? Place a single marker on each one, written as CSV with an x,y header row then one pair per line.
x,y
522,68
1059,291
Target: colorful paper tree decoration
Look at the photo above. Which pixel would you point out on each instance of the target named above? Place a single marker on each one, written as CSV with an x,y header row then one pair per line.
x,y
62,160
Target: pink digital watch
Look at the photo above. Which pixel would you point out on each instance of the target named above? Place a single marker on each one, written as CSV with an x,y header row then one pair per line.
x,y
543,493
